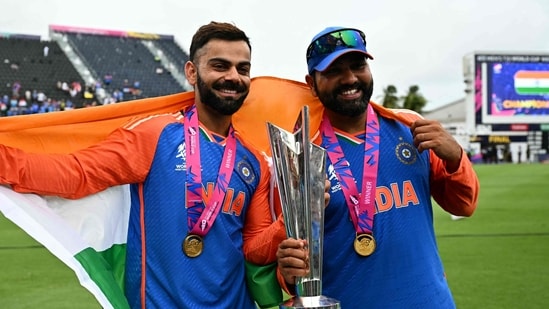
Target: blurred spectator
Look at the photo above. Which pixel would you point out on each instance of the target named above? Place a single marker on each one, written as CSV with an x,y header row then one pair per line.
x,y
3,109
22,102
88,95
118,95
35,108
75,88
126,86
107,79
41,97
63,86
100,93
16,86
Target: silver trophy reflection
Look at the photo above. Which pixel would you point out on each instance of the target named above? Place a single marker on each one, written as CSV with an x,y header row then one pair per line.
x,y
300,174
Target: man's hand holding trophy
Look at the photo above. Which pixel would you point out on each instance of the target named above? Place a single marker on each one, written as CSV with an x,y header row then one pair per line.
x,y
300,174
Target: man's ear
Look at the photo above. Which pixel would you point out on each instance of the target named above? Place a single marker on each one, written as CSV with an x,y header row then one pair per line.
x,y
190,72
310,81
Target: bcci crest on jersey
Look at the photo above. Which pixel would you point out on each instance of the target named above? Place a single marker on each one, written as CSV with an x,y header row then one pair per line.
x,y
406,153
245,170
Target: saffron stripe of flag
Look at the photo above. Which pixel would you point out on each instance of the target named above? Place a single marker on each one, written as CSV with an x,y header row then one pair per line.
x,y
532,82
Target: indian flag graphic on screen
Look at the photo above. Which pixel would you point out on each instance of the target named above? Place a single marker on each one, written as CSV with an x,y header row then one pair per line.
x,y
532,82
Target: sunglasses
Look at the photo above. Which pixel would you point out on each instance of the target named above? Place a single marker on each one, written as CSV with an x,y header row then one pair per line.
x,y
332,41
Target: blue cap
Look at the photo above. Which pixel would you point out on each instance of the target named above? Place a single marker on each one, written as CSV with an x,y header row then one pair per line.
x,y
331,43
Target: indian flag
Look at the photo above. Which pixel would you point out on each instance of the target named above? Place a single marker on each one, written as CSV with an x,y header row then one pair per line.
x,y
89,234
532,82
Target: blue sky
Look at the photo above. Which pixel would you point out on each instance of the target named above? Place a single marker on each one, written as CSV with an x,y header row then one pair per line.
x,y
419,42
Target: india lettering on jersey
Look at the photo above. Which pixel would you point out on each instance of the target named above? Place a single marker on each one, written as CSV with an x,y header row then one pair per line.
x,y
232,203
397,195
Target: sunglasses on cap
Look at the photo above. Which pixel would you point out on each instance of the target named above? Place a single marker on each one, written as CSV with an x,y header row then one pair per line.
x,y
338,39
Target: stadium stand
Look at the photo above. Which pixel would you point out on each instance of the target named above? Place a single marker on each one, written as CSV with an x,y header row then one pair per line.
x,y
174,53
133,68
81,67
30,72
139,65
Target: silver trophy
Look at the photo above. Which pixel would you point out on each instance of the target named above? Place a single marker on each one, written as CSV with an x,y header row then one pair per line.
x,y
300,173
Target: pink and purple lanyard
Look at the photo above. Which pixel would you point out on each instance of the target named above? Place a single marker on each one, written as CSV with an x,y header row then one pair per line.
x,y
361,204
201,215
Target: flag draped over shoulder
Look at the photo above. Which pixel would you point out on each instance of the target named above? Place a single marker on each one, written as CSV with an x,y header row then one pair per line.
x,y
89,234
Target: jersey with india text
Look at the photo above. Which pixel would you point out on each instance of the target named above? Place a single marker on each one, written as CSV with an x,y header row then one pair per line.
x,y
150,155
405,270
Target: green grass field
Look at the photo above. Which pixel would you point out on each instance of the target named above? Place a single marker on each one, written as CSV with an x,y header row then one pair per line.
x,y
499,258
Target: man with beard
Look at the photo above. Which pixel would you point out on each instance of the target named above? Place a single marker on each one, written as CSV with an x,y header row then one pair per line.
x,y
195,185
384,166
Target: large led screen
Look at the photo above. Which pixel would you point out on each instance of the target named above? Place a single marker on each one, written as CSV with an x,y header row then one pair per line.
x,y
512,88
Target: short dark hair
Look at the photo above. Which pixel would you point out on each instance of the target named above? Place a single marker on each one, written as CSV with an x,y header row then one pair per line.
x,y
216,30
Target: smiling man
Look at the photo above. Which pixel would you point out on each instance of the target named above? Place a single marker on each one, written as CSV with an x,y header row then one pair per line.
x,y
384,166
193,184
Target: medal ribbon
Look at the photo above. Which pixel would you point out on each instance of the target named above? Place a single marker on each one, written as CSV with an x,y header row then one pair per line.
x,y
361,205
201,216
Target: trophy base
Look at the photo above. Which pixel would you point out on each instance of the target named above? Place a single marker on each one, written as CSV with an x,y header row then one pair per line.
x,y
310,302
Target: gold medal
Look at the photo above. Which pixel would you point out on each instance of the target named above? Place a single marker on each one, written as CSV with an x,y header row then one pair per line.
x,y
192,245
365,244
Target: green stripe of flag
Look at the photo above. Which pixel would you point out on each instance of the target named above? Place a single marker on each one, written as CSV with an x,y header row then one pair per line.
x,y
105,269
532,90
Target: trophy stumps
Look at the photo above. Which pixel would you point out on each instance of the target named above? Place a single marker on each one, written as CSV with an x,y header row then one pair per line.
x,y
300,168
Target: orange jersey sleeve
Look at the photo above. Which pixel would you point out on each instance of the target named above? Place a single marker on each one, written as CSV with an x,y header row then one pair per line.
x,y
262,235
456,192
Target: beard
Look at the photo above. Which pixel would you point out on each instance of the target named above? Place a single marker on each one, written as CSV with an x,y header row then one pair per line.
x,y
349,108
224,106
